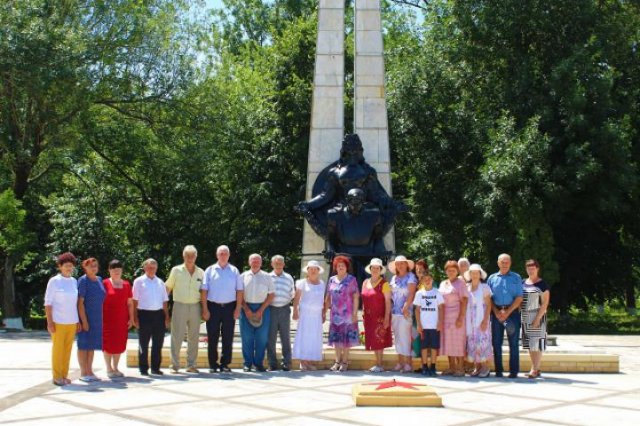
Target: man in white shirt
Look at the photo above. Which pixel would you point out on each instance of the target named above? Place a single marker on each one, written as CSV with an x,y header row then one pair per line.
x,y
280,312
255,320
150,316
221,300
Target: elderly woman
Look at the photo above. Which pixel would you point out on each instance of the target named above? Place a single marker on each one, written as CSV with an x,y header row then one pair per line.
x,y
308,310
117,317
60,306
453,337
376,302
463,266
534,316
479,350
403,290
91,295
342,297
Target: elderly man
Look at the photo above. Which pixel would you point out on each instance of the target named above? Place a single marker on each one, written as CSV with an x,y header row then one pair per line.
x,y
150,316
506,287
185,281
221,300
280,315
259,292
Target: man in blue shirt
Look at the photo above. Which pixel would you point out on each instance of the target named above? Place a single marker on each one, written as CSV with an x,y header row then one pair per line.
x,y
221,295
506,287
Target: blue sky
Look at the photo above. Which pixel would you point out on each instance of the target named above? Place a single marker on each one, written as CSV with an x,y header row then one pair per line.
x,y
214,3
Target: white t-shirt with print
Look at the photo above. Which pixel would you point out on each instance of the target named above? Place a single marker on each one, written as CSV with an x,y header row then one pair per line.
x,y
428,301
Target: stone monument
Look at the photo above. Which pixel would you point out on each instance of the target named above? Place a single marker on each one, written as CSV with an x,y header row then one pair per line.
x,y
326,229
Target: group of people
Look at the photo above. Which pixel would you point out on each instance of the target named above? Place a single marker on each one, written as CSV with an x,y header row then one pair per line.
x,y
464,317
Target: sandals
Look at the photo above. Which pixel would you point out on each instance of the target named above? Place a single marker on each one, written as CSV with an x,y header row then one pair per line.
x,y
484,373
343,367
335,366
304,367
59,382
459,373
398,367
407,369
533,374
447,372
376,369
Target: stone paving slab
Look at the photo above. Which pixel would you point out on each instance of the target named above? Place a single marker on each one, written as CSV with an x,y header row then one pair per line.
x,y
318,398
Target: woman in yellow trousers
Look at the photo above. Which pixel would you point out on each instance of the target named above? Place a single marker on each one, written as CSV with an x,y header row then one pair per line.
x,y
60,304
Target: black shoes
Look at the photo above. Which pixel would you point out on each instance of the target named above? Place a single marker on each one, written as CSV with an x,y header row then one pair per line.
x,y
260,369
157,372
225,369
246,368
272,368
499,374
144,373
285,368
513,375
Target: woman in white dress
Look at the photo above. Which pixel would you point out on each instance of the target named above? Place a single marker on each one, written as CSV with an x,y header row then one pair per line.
x,y
308,310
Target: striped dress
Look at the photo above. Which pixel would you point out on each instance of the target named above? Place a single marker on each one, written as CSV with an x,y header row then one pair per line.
x,y
533,338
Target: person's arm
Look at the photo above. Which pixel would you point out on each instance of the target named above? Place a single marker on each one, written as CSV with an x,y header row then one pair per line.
x,y
416,312
130,310
165,308
171,282
203,303
136,321
51,326
546,296
387,309
265,304
464,299
82,314
356,305
296,305
487,312
407,304
515,305
440,316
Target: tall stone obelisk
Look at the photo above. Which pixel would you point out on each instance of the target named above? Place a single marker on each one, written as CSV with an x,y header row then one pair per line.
x,y
327,112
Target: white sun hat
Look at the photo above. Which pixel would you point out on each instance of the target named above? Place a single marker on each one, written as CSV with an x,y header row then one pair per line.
x,y
475,267
313,264
375,262
392,264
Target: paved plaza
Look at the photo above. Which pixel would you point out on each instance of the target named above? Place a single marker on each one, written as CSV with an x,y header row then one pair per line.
x,y
28,397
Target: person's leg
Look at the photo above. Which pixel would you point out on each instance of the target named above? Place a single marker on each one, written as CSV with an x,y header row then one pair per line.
x,y
82,361
213,334
513,336
228,330
536,358
379,356
284,327
108,361
158,341
116,361
395,328
247,336
273,336
144,336
69,338
193,334
497,335
90,355
261,338
178,330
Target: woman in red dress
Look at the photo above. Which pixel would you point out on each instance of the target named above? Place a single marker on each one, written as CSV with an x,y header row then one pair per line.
x,y
117,312
376,299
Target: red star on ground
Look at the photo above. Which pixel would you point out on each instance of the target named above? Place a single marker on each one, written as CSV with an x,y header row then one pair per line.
x,y
394,383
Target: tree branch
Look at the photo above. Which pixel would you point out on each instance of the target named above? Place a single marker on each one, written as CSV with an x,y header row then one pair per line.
x,y
420,4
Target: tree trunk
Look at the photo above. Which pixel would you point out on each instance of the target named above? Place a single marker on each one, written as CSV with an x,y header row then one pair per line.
x,y
9,308
630,298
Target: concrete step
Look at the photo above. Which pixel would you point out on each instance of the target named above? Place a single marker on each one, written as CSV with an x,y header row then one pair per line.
x,y
559,362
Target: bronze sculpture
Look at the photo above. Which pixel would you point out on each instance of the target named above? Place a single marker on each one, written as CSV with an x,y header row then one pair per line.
x,y
349,208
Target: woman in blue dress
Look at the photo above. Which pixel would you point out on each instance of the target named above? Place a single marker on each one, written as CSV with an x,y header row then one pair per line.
x,y
91,296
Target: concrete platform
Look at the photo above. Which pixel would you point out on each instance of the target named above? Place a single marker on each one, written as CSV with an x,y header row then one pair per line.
x,y
568,358
310,398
